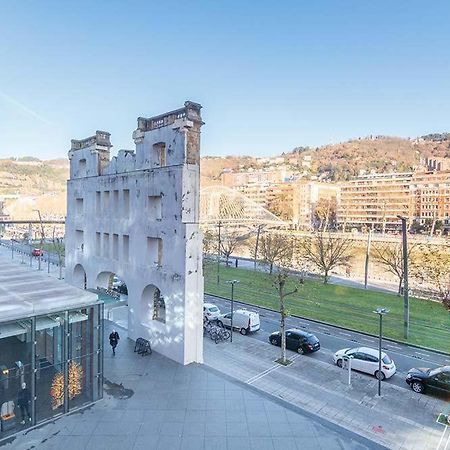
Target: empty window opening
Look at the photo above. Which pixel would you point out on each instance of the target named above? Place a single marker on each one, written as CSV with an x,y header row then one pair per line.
x,y
79,206
98,243
154,251
159,306
115,246
98,202
79,239
154,207
82,168
115,200
126,202
105,201
159,152
126,247
106,245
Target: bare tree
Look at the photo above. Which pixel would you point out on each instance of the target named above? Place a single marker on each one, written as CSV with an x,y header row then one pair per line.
x,y
434,268
285,285
325,214
274,248
59,249
229,242
326,252
391,258
209,240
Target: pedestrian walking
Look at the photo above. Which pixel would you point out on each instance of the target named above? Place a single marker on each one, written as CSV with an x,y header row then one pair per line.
x,y
23,401
114,340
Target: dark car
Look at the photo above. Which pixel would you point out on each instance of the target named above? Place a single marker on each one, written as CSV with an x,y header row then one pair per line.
x,y
422,380
297,340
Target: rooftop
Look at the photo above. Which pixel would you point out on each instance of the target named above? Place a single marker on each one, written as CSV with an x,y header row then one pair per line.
x,y
26,293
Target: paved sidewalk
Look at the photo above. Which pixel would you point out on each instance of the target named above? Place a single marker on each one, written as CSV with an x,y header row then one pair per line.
x,y
400,419
163,405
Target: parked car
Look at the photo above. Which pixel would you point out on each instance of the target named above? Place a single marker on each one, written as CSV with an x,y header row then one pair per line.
x,y
210,311
243,320
297,340
424,380
121,288
365,359
37,252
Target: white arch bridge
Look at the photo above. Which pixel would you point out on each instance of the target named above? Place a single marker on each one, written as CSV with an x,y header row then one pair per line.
x,y
231,207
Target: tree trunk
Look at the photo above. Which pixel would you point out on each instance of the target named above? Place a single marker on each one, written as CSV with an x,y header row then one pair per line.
x,y
271,268
325,277
282,330
400,286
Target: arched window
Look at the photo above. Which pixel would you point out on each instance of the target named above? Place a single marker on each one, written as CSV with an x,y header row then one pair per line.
x,y
159,306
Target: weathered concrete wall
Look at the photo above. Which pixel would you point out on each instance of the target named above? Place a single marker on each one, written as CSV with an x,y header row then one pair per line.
x,y
136,215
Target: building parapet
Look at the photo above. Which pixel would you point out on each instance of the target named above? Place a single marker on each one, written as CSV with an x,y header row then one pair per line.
x,y
190,111
101,138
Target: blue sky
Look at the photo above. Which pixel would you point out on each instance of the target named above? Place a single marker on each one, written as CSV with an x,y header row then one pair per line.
x,y
270,75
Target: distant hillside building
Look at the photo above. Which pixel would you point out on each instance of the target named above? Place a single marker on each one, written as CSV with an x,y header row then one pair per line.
x,y
376,200
306,196
136,216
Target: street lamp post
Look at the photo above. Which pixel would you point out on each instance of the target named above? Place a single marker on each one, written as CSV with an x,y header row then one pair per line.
x,y
405,279
381,312
232,282
42,238
219,244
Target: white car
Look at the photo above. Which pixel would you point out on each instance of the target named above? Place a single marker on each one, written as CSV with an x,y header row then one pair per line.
x,y
210,311
365,359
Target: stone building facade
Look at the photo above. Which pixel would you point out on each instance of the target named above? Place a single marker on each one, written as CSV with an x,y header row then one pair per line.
x,y
136,215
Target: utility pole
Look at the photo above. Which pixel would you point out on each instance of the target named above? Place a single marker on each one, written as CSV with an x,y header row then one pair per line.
x,y
405,279
219,246
366,268
256,246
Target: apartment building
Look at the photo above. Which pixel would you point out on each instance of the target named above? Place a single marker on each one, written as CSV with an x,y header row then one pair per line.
x,y
375,201
306,196
430,197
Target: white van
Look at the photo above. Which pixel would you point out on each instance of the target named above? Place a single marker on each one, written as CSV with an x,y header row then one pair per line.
x,y
243,320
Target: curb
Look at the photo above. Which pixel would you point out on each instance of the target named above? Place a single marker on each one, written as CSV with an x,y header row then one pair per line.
x,y
441,352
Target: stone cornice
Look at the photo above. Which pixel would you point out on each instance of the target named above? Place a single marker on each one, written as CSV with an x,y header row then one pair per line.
x,y
190,112
101,138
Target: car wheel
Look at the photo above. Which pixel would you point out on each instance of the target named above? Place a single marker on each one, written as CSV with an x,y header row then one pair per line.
x,y
418,387
273,341
243,331
220,324
300,351
339,363
379,375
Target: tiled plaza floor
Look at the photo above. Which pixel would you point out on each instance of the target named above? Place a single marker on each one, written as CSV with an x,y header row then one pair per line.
x,y
169,406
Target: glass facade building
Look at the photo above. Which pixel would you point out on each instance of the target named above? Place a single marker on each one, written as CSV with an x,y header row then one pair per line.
x,y
51,362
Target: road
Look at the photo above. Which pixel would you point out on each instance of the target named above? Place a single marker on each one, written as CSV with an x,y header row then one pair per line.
x,y
333,339
26,249
244,263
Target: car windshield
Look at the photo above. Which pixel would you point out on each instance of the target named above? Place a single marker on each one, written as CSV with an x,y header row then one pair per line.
x,y
386,359
434,372
312,339
214,309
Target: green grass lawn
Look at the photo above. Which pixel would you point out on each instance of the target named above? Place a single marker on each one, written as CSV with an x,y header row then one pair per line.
x,y
339,305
